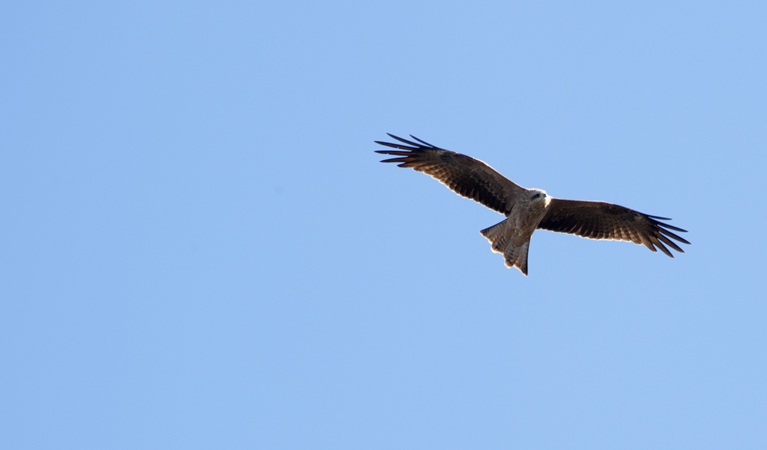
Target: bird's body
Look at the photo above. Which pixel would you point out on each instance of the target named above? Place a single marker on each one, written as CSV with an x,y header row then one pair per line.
x,y
529,209
511,237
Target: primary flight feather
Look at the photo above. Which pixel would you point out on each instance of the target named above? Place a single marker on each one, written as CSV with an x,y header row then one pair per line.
x,y
529,209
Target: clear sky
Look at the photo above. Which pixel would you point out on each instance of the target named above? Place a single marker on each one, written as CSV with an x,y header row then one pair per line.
x,y
201,250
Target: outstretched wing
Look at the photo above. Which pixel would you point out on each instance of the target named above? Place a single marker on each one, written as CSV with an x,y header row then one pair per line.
x,y
600,220
465,175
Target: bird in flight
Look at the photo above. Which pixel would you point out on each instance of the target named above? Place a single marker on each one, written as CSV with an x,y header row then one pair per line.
x,y
529,209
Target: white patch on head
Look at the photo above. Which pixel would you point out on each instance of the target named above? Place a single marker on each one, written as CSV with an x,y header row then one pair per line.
x,y
537,195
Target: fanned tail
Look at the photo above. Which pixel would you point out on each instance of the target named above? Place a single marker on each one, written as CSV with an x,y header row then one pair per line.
x,y
499,241
496,236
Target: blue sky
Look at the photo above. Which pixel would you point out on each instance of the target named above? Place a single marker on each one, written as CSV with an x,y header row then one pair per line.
x,y
201,250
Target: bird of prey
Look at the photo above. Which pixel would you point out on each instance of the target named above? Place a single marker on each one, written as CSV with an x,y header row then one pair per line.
x,y
529,209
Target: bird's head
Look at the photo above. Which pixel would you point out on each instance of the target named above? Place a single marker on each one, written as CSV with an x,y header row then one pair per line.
x,y
538,195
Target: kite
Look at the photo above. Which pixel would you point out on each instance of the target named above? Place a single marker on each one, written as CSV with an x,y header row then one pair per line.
x,y
529,209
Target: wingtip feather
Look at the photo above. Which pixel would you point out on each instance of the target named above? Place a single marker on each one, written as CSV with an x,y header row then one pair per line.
x,y
391,160
423,142
673,236
402,140
663,248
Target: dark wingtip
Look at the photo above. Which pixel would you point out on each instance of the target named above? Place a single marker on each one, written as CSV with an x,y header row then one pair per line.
x,y
403,140
672,235
423,142
673,227
663,248
399,160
